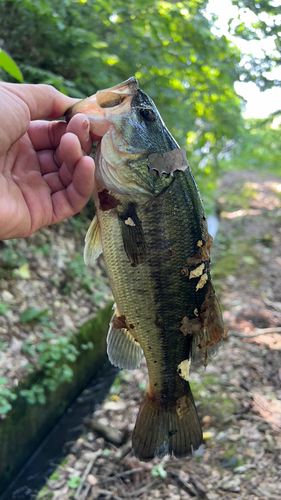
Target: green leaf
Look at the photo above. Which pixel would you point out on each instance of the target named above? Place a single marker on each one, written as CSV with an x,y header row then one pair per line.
x,y
23,271
158,470
9,65
3,309
142,386
74,482
32,313
4,406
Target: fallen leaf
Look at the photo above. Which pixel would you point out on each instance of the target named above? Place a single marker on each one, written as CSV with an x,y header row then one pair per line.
x,y
23,271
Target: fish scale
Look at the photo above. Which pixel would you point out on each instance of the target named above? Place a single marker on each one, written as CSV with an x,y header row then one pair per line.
x,y
151,227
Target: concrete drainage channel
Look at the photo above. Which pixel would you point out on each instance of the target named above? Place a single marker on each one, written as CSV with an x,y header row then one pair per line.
x,y
32,436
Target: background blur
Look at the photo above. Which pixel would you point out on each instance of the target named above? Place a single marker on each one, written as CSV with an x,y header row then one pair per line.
x,y
189,56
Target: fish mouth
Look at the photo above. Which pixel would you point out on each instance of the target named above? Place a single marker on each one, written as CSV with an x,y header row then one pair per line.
x,y
101,106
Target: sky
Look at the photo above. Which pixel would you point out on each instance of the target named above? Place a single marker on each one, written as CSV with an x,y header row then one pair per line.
x,y
259,104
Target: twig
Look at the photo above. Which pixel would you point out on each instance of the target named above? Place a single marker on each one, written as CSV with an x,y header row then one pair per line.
x,y
108,494
114,436
259,331
145,488
87,471
274,305
123,451
121,474
86,491
129,472
198,487
184,483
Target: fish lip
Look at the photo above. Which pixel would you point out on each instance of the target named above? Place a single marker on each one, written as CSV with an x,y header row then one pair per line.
x,y
105,103
127,88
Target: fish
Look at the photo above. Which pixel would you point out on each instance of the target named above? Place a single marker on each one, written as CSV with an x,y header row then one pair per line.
x,y
151,227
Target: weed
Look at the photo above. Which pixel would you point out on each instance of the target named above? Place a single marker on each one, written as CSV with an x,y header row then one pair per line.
x,y
76,270
44,249
53,357
3,347
74,482
158,470
32,313
3,308
6,395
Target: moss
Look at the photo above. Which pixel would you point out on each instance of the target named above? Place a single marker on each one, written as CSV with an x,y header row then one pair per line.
x,y
43,495
54,476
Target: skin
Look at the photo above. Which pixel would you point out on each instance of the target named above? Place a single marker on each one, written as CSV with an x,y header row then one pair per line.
x,y
45,173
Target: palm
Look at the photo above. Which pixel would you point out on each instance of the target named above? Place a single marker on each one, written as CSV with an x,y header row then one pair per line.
x,y
25,196
45,175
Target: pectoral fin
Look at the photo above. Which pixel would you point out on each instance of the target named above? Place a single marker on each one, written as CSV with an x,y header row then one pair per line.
x,y
122,349
132,235
93,247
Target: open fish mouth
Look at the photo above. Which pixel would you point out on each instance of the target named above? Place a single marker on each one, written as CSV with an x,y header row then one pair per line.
x,y
98,107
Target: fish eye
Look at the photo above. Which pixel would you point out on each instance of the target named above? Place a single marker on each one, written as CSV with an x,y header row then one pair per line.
x,y
148,115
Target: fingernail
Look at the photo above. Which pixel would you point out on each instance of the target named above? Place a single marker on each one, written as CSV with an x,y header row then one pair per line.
x,y
86,127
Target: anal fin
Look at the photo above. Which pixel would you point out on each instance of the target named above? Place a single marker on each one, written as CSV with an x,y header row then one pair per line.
x,y
93,247
122,349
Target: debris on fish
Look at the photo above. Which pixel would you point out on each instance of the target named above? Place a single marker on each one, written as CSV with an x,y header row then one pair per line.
x,y
152,230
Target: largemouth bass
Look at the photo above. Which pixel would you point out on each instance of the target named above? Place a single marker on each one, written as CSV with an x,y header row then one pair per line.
x,y
150,225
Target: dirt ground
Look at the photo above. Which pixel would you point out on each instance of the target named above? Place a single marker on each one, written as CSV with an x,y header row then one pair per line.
x,y
238,395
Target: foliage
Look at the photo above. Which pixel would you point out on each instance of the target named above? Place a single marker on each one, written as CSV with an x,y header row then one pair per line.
x,y
258,148
81,47
12,256
53,356
266,24
32,313
74,482
6,396
9,65
76,269
3,308
158,470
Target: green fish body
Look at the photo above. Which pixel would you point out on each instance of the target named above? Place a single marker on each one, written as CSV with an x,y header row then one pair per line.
x,y
150,225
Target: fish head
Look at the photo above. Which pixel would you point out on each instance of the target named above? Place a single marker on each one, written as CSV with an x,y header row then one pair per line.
x,y
130,128
128,111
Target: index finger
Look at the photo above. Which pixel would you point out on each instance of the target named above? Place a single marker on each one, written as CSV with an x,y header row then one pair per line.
x,y
42,101
22,103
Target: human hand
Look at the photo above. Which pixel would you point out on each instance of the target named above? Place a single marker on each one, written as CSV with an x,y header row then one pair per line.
x,y
45,173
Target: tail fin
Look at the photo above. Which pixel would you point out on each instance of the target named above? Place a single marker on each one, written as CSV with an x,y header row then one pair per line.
x,y
160,431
